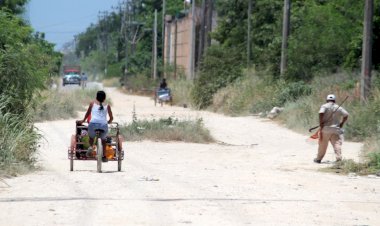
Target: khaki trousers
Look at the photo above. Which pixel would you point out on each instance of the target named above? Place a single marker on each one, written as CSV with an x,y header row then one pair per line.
x,y
336,141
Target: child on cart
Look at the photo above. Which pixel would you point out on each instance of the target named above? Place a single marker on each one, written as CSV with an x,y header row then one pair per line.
x,y
98,110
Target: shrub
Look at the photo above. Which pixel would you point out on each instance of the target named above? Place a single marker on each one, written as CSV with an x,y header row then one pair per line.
x,y
181,90
220,67
364,120
18,140
140,82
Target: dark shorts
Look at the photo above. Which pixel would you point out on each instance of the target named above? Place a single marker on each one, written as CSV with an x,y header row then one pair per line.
x,y
94,126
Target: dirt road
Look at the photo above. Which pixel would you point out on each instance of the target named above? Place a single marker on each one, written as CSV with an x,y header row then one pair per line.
x,y
261,175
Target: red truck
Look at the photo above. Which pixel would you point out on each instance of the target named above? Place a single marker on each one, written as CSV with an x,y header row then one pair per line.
x,y
71,70
71,75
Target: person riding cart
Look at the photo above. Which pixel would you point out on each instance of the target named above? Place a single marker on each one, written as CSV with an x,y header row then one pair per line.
x,y
98,112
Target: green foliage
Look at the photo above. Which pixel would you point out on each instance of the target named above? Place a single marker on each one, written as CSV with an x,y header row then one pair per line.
x,y
290,92
365,119
374,160
115,70
26,61
220,67
18,139
266,23
322,37
136,51
15,6
253,94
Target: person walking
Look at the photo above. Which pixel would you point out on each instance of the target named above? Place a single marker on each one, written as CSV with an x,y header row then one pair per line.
x,y
331,120
84,80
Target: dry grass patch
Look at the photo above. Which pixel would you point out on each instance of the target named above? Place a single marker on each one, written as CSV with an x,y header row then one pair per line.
x,y
167,129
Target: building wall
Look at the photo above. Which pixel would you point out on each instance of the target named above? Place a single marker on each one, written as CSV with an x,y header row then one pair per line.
x,y
182,41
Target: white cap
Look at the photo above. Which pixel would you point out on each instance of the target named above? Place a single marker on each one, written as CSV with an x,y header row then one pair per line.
x,y
330,97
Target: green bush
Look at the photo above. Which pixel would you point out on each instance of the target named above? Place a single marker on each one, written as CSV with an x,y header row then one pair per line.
x,y
220,67
115,70
290,92
18,140
374,159
364,119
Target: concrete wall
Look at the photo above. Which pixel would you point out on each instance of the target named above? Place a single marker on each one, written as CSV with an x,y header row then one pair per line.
x,y
180,41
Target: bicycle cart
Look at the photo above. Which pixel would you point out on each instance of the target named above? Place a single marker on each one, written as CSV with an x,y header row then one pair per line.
x,y
162,96
80,144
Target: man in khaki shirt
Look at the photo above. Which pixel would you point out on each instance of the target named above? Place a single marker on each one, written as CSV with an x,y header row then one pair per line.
x,y
331,120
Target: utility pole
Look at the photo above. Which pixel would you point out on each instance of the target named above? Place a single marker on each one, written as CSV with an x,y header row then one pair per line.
x,y
163,28
103,24
367,52
249,34
285,35
210,10
175,48
155,46
202,31
192,49
163,38
123,32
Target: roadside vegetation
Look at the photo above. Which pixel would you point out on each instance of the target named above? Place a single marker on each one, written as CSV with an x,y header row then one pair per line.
x,y
166,129
54,104
26,62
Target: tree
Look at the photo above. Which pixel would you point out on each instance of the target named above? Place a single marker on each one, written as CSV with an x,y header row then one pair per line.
x,y
26,61
15,6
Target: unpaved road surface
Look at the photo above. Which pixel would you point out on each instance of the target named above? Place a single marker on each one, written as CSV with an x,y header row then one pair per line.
x,y
258,174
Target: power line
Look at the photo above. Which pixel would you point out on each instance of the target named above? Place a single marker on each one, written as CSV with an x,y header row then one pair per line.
x,y
67,21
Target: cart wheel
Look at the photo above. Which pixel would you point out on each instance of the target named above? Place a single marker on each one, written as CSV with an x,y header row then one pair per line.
x,y
118,155
72,160
119,160
99,150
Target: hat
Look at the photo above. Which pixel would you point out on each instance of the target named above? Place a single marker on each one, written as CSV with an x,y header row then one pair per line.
x,y
330,97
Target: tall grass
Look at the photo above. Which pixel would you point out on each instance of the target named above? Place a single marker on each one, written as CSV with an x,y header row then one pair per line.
x,y
18,140
166,129
55,104
180,90
140,84
256,93
111,82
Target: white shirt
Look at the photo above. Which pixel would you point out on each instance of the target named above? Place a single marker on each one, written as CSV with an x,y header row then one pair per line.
x,y
99,116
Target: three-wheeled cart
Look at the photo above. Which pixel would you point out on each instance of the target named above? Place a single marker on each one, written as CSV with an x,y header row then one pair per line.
x,y
78,150
162,96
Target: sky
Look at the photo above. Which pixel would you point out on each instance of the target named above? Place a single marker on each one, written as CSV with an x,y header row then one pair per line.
x,y
60,20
